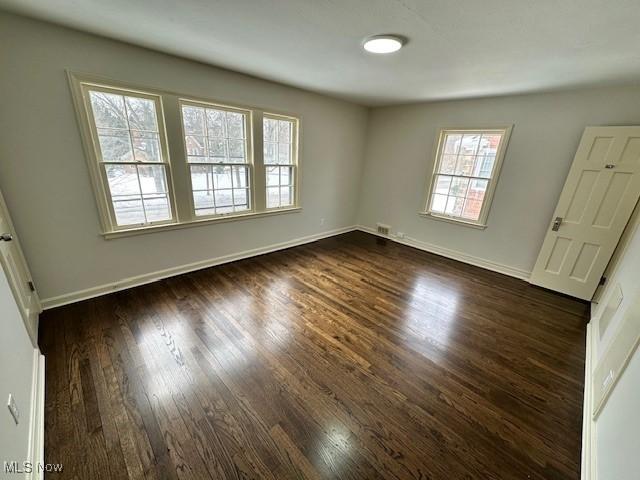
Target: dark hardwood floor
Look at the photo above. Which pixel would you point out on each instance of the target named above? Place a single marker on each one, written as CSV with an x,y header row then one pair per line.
x,y
347,358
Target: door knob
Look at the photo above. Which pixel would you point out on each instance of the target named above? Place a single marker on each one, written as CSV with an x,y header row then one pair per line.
x,y
556,224
7,237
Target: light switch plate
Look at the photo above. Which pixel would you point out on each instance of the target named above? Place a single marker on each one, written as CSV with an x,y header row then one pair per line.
x,y
13,408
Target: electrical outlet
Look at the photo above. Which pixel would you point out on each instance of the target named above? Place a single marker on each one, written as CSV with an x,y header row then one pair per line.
x,y
321,221
400,235
13,408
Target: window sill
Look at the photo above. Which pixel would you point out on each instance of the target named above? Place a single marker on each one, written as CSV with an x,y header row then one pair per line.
x,y
478,226
195,223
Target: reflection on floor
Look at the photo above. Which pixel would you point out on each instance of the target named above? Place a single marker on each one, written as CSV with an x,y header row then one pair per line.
x,y
346,358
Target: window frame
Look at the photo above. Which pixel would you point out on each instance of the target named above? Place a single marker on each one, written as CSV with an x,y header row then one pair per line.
x,y
249,156
174,150
97,164
481,223
295,133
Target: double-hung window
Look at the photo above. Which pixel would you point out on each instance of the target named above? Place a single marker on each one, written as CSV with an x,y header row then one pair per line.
x,y
214,173
280,159
132,155
466,170
218,155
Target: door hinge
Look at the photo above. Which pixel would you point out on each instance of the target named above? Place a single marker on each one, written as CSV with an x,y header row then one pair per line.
x,y
31,286
603,280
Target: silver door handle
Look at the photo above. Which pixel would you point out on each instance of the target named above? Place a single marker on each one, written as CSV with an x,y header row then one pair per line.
x,y
6,237
556,224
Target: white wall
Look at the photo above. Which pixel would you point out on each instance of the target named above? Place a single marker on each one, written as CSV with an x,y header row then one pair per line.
x,y
44,177
618,428
16,375
547,130
618,425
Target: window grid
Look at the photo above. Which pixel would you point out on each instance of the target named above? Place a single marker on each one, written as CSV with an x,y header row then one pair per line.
x,y
235,167
463,175
279,156
132,208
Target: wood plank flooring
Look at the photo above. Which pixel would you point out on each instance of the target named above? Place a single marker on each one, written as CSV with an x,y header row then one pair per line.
x,y
349,358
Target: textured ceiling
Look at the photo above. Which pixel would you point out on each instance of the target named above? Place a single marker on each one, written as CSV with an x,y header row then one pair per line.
x,y
456,48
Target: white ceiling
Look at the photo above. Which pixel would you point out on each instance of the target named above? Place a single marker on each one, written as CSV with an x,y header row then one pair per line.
x,y
456,49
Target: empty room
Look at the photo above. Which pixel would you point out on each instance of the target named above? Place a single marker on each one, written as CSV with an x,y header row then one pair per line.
x,y
319,239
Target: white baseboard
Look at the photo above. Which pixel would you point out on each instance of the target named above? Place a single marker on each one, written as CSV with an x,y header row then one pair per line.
x,y
36,433
588,471
453,254
170,272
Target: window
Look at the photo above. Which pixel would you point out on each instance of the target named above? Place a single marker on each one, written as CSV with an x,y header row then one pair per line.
x,y
133,162
279,135
217,154
214,173
466,169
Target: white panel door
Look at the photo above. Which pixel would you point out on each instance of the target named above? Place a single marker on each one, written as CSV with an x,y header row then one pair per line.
x,y
598,197
15,268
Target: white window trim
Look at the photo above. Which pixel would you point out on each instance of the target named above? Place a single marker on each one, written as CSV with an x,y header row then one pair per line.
x,y
249,153
178,175
481,223
295,147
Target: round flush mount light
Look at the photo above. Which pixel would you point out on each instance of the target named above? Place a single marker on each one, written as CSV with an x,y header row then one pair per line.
x,y
384,43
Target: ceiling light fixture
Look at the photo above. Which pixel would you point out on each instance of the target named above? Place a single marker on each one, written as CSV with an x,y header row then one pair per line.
x,y
384,43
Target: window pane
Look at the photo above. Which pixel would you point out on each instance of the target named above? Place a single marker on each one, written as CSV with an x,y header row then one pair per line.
x,y
201,177
465,165
286,175
235,125
215,123
195,147
236,151
270,130
157,207
239,196
477,189
273,176
217,150
123,180
223,198
448,164
459,187
222,177
146,146
442,184
454,206
489,144
108,110
128,211
141,113
472,209
273,197
469,145
286,196
193,120
270,153
438,203
203,200
115,145
284,131
240,175
452,144
152,179
485,166
284,154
